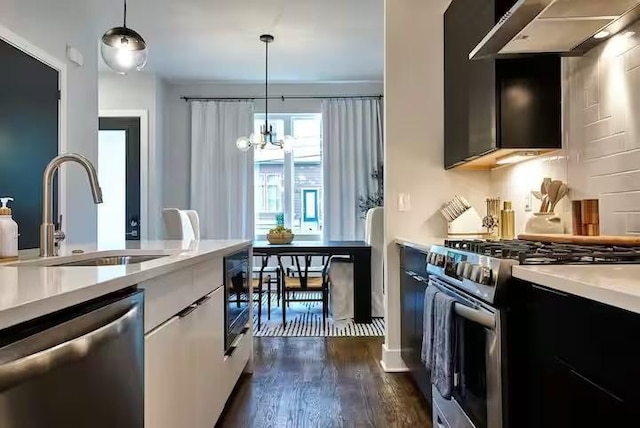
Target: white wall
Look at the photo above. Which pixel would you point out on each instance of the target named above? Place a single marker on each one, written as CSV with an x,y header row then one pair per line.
x,y
141,91
601,156
177,154
51,26
414,107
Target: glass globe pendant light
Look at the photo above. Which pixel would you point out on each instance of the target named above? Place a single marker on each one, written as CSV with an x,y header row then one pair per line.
x,y
266,137
123,49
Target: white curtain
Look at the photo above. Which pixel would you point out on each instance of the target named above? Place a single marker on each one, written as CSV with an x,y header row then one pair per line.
x,y
221,175
352,150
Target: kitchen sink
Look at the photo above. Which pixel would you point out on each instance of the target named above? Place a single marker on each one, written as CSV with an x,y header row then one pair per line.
x,y
111,261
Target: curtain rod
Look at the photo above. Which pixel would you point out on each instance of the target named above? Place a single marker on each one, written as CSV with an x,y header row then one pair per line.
x,y
282,97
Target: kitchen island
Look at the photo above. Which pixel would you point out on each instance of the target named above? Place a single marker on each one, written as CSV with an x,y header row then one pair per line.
x,y
189,372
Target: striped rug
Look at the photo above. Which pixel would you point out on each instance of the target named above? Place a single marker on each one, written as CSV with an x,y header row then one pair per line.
x,y
304,319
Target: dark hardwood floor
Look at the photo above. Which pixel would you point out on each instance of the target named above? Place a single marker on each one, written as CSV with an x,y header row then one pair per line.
x,y
324,383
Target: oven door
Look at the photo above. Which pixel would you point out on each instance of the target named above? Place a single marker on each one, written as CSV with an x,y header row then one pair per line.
x,y
477,380
237,296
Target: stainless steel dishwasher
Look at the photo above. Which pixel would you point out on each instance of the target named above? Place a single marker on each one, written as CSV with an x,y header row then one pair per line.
x,y
82,367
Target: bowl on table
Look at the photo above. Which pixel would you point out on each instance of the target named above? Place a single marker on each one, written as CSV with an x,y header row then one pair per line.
x,y
280,238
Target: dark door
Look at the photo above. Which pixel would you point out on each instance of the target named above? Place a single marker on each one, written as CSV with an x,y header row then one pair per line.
x,y
29,100
131,128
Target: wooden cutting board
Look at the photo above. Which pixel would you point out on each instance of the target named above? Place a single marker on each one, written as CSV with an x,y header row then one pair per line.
x,y
620,241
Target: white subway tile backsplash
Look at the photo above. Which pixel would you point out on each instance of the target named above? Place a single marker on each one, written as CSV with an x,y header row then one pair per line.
x,y
633,223
601,155
632,58
604,146
592,114
627,161
621,202
616,183
598,130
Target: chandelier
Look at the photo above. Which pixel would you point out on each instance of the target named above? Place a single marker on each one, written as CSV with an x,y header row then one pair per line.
x,y
266,137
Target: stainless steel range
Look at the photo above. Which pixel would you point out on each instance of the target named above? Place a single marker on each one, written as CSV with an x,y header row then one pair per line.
x,y
477,274
474,280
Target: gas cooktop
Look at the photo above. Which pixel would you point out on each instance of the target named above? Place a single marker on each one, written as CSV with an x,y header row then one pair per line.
x,y
537,253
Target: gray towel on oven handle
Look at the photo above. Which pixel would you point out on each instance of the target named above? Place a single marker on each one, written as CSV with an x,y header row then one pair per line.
x,y
443,344
426,354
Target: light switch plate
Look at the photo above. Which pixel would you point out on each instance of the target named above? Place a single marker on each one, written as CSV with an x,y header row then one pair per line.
x,y
404,202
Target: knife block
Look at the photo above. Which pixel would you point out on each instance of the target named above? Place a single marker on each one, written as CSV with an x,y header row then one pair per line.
x,y
469,223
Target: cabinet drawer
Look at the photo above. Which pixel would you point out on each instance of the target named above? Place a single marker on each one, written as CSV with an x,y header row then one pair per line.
x,y
208,276
597,340
574,400
167,379
235,363
167,295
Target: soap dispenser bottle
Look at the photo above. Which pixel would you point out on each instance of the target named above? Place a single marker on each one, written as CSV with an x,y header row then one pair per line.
x,y
8,231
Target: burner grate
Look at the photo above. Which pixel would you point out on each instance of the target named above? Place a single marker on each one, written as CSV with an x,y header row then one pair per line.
x,y
537,253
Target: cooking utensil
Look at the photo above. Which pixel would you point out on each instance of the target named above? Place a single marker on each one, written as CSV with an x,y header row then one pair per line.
x,y
544,187
544,190
562,192
553,189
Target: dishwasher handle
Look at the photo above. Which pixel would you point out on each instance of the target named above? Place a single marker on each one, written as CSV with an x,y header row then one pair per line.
x,y
39,363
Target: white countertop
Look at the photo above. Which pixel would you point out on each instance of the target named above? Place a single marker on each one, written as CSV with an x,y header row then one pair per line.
x,y
28,291
420,244
615,285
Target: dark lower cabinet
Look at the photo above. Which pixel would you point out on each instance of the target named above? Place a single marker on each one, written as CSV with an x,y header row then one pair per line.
x,y
573,362
412,288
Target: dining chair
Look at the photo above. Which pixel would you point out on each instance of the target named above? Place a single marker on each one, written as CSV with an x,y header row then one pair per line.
x,y
266,276
181,224
302,284
313,269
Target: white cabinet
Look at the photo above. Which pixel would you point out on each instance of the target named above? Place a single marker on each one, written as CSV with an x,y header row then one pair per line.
x,y
188,378
167,367
207,345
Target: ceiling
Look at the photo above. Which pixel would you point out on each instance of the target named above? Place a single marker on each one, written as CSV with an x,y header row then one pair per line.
x,y
315,40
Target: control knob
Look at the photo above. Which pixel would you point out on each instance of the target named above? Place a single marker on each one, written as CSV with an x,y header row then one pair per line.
x,y
484,275
461,268
468,270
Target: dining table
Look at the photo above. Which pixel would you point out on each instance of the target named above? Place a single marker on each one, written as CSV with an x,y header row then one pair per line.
x,y
358,251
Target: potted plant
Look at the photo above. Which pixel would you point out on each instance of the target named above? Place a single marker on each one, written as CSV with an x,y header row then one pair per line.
x,y
374,199
280,235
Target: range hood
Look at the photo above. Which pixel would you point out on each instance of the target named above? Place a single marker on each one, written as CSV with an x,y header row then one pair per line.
x,y
566,27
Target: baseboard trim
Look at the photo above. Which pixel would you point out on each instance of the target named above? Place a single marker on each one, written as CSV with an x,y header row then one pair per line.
x,y
392,360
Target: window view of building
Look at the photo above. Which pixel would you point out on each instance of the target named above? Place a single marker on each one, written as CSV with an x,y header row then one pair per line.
x,y
290,182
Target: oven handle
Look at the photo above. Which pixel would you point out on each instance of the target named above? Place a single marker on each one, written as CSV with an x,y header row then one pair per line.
x,y
484,318
474,315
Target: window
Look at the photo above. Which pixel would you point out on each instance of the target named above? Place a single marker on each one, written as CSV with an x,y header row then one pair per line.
x,y
290,183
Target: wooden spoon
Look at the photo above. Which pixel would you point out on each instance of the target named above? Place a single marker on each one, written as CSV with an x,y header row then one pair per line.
x,y
562,192
544,190
554,188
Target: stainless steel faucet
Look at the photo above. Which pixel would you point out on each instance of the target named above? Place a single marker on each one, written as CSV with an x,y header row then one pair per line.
x,y
49,237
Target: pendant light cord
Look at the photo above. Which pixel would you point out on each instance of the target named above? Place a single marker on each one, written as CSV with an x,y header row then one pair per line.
x,y
266,88
125,14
